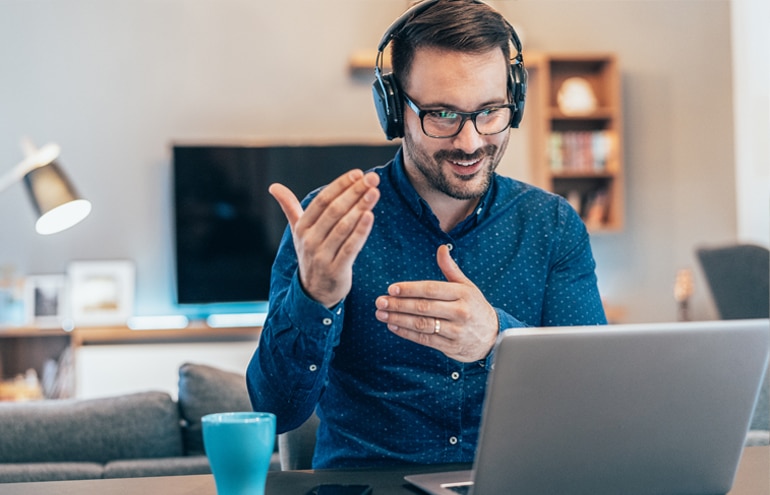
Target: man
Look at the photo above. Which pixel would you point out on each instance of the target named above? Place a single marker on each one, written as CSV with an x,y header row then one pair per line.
x,y
391,287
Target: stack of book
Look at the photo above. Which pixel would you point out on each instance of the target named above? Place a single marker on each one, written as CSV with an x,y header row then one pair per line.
x,y
579,151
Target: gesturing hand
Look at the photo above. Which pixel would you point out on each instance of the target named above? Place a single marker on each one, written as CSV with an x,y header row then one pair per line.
x,y
453,317
330,232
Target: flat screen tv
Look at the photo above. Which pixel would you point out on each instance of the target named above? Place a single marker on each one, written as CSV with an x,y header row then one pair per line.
x,y
227,227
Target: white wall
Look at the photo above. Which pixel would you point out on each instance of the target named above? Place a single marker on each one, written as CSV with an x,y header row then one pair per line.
x,y
751,95
116,82
105,370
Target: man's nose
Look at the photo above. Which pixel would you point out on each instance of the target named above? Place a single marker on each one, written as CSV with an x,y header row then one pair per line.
x,y
468,139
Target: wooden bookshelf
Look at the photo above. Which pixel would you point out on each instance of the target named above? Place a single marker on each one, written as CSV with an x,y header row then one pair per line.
x,y
577,135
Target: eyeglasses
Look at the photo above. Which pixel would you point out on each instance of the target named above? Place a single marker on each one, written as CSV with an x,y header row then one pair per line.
x,y
448,123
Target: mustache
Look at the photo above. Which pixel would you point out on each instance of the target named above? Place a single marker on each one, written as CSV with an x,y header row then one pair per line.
x,y
461,156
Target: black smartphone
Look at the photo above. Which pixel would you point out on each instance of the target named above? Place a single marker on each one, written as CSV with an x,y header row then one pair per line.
x,y
340,489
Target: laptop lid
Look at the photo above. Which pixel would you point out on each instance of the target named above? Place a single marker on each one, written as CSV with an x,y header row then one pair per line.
x,y
633,409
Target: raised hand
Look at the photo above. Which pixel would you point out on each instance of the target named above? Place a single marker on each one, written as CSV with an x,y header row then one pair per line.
x,y
453,317
330,232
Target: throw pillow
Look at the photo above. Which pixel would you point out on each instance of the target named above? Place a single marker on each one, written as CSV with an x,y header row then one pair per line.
x,y
205,390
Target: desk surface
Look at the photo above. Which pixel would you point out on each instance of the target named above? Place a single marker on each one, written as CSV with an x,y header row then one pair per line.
x,y
753,478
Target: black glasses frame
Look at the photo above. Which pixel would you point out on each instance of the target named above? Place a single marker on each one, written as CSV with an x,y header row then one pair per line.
x,y
464,115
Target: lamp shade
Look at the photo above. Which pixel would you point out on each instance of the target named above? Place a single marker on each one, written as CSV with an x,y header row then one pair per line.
x,y
53,196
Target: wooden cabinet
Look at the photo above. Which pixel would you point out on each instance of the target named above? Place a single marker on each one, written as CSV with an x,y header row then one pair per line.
x,y
26,357
53,354
574,110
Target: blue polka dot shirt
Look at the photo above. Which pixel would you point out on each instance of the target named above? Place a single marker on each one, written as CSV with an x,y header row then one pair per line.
x,y
383,400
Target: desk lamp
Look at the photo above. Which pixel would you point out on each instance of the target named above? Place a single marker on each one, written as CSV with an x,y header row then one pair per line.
x,y
58,205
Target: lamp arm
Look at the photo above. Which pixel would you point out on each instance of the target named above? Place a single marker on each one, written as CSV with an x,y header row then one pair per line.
x,y
37,158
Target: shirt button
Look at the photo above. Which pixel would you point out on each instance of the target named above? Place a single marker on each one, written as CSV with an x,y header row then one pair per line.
x,y
453,440
313,367
327,321
450,246
455,375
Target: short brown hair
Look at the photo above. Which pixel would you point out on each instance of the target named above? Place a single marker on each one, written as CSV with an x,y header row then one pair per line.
x,y
457,25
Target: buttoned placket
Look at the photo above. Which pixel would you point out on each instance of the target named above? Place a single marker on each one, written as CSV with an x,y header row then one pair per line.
x,y
456,392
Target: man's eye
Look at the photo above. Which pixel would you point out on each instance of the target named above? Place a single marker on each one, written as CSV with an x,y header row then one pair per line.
x,y
444,114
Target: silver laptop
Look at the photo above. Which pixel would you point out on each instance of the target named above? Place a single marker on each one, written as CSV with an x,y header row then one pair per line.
x,y
658,408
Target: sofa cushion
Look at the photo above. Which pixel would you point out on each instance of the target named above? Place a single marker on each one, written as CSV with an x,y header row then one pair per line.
x,y
206,390
132,426
170,466
45,471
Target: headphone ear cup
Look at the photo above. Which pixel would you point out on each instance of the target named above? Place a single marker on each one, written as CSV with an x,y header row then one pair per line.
x,y
518,89
387,102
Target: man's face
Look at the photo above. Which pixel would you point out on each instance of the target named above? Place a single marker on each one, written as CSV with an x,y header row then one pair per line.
x,y
460,167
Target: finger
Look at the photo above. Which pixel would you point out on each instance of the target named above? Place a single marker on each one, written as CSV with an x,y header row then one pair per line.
x,y
422,290
337,240
348,235
336,199
435,289
449,267
319,204
407,320
355,240
418,324
287,201
412,306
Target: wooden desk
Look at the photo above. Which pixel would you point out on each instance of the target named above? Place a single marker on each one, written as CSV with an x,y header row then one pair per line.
x,y
753,478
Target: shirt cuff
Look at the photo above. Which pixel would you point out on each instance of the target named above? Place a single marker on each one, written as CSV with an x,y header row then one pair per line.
x,y
310,315
505,321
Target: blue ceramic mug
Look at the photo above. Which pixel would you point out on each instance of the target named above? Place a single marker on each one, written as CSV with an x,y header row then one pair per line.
x,y
239,446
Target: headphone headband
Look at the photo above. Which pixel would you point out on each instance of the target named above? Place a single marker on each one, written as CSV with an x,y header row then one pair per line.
x,y
387,94
418,9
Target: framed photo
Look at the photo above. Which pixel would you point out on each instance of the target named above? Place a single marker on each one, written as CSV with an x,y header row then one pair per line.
x,y
45,300
101,292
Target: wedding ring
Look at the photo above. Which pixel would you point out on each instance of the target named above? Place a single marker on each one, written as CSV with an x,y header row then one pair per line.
x,y
436,325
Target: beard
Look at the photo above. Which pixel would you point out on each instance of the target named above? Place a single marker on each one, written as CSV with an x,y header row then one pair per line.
x,y
444,180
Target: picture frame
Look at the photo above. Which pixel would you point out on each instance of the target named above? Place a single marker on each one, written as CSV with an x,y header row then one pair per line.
x,y
101,292
46,301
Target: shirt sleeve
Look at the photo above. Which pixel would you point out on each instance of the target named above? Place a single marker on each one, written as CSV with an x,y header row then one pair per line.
x,y
571,295
288,371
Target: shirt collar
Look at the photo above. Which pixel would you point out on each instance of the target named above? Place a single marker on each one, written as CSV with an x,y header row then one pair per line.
x,y
405,188
420,207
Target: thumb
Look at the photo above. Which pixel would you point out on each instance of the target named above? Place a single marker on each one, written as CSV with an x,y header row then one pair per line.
x,y
288,203
449,268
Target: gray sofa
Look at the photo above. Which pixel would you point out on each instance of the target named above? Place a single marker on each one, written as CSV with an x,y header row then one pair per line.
x,y
133,435
149,434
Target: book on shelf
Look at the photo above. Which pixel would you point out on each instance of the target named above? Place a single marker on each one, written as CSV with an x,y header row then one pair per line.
x,y
596,209
579,151
592,206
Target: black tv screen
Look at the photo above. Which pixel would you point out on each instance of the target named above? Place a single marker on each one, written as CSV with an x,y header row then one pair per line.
x,y
227,227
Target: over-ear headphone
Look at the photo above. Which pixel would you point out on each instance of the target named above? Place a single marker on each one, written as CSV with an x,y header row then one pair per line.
x,y
388,100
